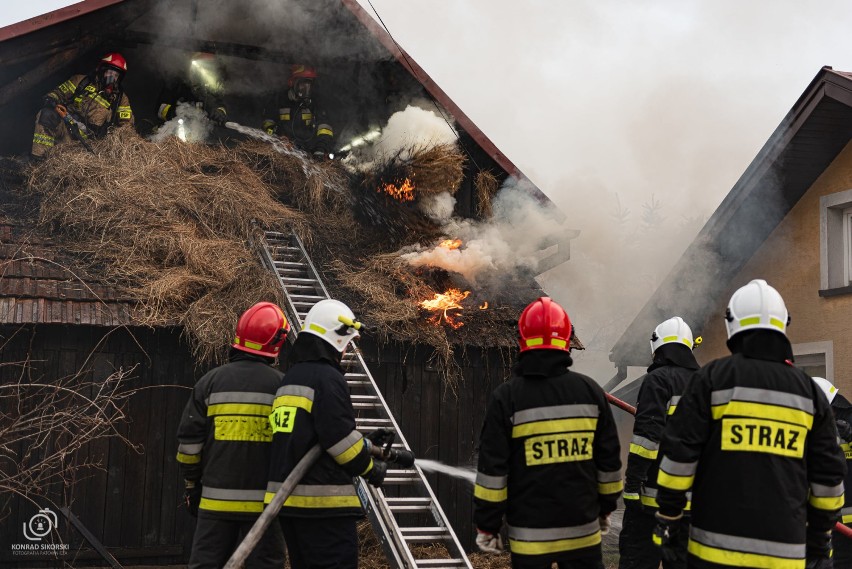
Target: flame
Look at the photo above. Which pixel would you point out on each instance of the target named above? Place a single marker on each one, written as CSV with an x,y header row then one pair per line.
x,y
484,305
403,193
450,300
450,244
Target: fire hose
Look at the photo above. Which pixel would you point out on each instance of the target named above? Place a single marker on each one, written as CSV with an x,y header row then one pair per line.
x,y
624,405
401,457
75,127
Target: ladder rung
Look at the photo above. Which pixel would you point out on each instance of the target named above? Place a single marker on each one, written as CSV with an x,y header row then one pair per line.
x,y
364,398
290,264
306,297
355,374
437,563
409,505
395,476
424,534
358,383
297,280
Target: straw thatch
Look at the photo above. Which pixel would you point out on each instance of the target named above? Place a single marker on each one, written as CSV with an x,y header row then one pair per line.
x,y
486,188
171,224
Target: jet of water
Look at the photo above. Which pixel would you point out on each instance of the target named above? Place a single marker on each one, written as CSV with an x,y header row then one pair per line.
x,y
466,474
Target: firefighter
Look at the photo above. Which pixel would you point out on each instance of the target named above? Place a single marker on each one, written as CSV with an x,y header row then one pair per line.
x,y
224,444
299,118
313,407
754,439
549,456
203,87
662,387
83,107
842,410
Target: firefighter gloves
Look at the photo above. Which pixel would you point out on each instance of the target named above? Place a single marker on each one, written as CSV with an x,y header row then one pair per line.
x,y
844,430
377,474
219,115
489,542
49,118
192,497
665,534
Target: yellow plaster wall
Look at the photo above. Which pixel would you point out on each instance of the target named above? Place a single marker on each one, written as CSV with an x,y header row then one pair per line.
x,y
789,260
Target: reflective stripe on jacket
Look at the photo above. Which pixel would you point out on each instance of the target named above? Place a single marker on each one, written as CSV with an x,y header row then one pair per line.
x,y
224,436
313,406
752,437
548,424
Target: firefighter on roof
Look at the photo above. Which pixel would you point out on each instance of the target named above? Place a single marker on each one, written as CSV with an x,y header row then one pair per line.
x,y
299,118
224,444
662,387
753,438
202,87
83,107
313,406
842,410
549,457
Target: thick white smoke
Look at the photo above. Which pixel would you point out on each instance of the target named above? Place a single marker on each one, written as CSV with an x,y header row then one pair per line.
x,y
413,128
189,124
509,243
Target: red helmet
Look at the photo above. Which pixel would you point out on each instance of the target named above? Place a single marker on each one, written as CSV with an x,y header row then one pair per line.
x,y
262,330
544,325
301,72
115,60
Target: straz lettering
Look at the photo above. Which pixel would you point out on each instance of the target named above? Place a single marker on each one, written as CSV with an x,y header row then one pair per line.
x,y
282,419
760,435
559,447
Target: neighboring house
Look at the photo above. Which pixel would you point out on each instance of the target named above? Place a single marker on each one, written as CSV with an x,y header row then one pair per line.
x,y
787,220
62,320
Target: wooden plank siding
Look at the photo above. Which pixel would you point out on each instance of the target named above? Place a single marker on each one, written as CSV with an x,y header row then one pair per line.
x,y
133,504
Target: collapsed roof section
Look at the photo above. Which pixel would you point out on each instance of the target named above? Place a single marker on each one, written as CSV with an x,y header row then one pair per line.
x,y
812,134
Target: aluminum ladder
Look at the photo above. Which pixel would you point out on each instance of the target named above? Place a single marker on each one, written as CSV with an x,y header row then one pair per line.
x,y
404,512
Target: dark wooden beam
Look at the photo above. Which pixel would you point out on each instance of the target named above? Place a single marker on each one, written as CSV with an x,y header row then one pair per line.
x,y
42,71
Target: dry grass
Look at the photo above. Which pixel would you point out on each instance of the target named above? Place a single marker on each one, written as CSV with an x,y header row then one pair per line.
x,y
171,224
486,188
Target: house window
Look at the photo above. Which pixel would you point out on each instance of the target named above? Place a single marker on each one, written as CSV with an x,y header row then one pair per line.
x,y
836,244
816,359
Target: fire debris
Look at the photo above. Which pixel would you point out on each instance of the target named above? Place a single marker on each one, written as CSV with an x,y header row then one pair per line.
x,y
168,222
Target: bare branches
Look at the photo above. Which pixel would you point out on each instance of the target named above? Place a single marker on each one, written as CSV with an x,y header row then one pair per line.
x,y
44,425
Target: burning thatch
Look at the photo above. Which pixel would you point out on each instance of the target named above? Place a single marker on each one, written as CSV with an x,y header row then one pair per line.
x,y
395,194
172,224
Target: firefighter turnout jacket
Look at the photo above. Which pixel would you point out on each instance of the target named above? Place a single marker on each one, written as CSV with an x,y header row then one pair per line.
x,y
224,435
95,109
304,125
313,406
754,439
183,92
549,459
659,394
843,412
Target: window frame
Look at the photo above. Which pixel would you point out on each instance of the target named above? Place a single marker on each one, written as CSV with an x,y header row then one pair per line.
x,y
825,348
835,245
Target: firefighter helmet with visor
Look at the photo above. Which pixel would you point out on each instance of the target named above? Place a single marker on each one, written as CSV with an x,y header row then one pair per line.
x,y
827,387
756,306
332,321
262,330
544,325
672,330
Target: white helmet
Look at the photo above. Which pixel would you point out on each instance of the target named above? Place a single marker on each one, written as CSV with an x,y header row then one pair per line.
x,y
827,388
671,330
332,321
754,306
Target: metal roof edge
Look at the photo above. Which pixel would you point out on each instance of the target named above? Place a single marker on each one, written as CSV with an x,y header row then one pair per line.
x,y
56,16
